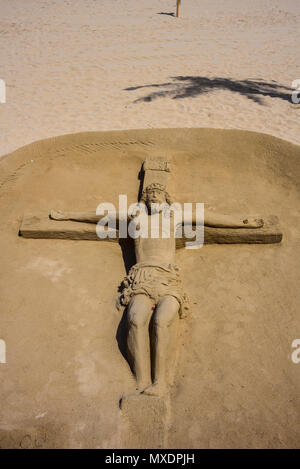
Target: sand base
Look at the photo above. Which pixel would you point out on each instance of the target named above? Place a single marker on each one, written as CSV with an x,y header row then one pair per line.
x,y
235,384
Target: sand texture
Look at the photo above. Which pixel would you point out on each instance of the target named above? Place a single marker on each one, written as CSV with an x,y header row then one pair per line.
x,y
86,65
235,383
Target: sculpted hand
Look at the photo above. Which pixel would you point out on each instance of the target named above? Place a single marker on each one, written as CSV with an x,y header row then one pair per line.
x,y
58,215
253,222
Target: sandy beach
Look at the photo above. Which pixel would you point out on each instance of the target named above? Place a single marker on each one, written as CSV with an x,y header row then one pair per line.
x,y
211,92
85,65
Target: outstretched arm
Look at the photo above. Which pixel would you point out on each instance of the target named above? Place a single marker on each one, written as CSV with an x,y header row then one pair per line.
x,y
217,220
85,217
230,221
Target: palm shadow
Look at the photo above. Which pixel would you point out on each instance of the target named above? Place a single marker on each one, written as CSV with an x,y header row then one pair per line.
x,y
192,86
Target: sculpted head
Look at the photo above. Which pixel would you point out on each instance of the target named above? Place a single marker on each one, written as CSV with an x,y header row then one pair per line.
x,y
155,193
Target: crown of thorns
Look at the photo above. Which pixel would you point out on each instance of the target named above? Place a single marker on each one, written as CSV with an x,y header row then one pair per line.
x,y
155,185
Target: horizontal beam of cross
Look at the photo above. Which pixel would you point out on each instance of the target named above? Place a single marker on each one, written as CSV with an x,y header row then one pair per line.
x,y
44,228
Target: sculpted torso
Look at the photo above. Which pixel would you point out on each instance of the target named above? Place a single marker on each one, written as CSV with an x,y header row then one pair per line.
x,y
161,251
156,250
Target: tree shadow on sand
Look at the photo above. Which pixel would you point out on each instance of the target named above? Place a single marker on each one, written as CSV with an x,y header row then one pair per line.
x,y
193,86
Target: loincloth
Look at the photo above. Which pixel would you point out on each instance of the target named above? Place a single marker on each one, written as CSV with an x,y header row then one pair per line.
x,y
155,281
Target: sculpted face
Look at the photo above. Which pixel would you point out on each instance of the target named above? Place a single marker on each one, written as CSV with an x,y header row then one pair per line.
x,y
155,196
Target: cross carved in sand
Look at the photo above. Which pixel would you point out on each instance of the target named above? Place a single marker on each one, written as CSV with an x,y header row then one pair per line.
x,y
152,290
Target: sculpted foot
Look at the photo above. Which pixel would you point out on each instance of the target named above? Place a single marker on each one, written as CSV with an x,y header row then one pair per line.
x,y
142,386
138,391
156,390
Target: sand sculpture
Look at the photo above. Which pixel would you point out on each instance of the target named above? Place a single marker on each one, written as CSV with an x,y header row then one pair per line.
x,y
66,381
152,290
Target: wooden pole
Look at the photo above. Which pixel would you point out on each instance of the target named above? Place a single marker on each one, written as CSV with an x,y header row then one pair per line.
x,y
177,9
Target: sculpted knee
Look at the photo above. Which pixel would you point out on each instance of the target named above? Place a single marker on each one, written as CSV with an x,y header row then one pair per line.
x,y
138,314
166,313
137,319
164,320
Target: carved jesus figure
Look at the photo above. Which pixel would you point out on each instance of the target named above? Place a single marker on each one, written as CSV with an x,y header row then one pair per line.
x,y
153,292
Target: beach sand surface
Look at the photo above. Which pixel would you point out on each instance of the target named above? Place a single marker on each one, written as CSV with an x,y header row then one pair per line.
x,y
86,65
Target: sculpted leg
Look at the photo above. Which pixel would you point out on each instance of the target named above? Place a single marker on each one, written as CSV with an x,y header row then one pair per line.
x,y
165,324
138,343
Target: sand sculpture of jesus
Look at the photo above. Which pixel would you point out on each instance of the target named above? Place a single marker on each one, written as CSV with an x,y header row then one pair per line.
x,y
153,292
